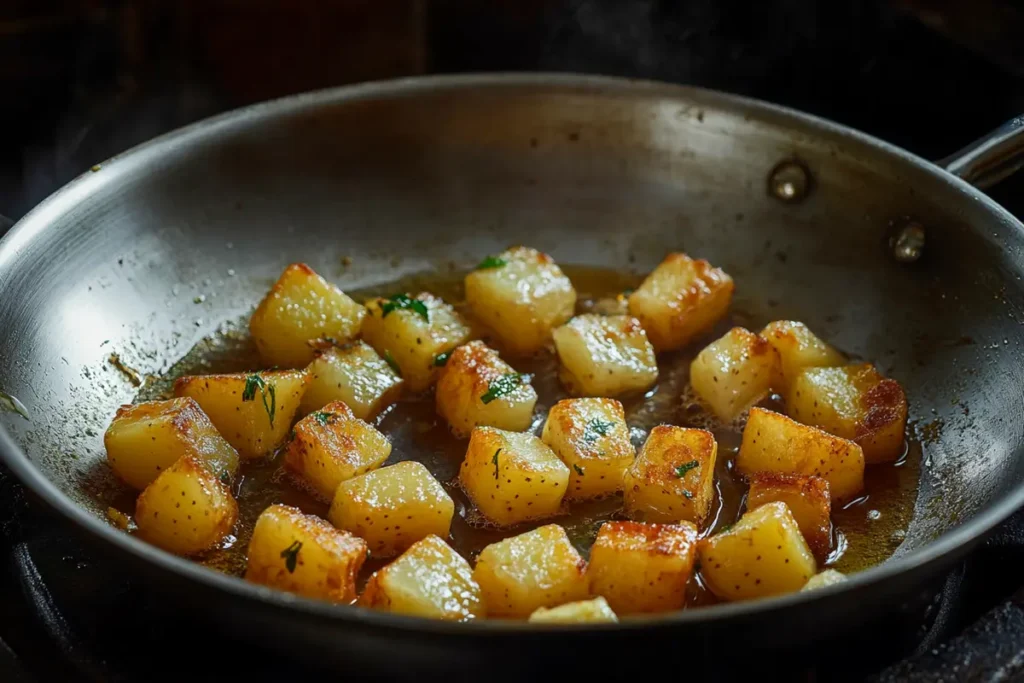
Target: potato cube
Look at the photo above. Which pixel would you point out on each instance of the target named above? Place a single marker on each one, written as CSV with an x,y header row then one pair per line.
x,y
806,497
680,300
593,611
477,388
734,372
762,554
643,567
428,580
331,446
412,332
591,437
512,477
146,438
187,509
521,574
302,307
798,348
605,355
829,577
673,477
773,443
355,375
303,554
253,411
854,402
393,507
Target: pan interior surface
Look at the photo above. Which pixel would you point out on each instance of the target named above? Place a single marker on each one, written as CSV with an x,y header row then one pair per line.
x,y
154,251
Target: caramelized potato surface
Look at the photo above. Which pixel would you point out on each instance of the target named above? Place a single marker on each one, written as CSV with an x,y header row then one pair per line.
x,y
303,554
302,307
591,437
734,372
146,438
808,500
673,477
355,375
593,611
605,355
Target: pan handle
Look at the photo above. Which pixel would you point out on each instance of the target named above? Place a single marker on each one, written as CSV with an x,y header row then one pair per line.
x,y
986,161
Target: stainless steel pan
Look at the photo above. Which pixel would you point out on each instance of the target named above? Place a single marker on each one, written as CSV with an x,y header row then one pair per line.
x,y
894,258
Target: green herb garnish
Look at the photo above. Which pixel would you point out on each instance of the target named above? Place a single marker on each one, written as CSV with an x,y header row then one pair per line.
x,y
225,478
254,383
406,303
687,495
686,467
495,461
504,385
491,262
393,363
324,417
597,427
441,359
291,555
579,470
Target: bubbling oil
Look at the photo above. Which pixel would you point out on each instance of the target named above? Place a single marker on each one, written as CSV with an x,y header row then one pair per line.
x,y
866,531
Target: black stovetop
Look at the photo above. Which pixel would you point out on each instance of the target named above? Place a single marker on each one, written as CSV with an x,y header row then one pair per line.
x,y
71,614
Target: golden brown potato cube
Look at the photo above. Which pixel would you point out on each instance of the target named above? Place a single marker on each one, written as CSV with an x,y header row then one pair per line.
x,y
798,348
680,299
521,574
829,577
806,497
512,477
643,567
593,611
302,307
187,509
734,372
773,443
410,333
355,375
673,477
762,554
854,402
331,446
393,507
303,554
146,438
591,437
604,355
253,411
478,389
429,580
520,295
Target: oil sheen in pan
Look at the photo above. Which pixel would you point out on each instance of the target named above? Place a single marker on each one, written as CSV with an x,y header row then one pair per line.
x,y
866,531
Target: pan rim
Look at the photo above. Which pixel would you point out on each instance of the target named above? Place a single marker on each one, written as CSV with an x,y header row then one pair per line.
x,y
945,548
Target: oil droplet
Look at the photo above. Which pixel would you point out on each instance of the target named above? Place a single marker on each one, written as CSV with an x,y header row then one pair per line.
x,y
874,515
12,404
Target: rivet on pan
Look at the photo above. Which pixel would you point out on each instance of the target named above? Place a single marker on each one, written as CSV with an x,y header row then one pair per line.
x,y
789,181
907,243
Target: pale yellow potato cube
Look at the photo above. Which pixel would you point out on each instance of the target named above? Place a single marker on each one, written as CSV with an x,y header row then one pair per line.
x,y
734,372
798,348
593,611
187,509
411,332
300,308
146,438
520,295
429,580
773,443
521,574
303,554
393,507
605,355
643,567
762,554
355,375
478,389
680,300
331,446
806,497
253,411
855,402
673,476
591,437
512,477
828,577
